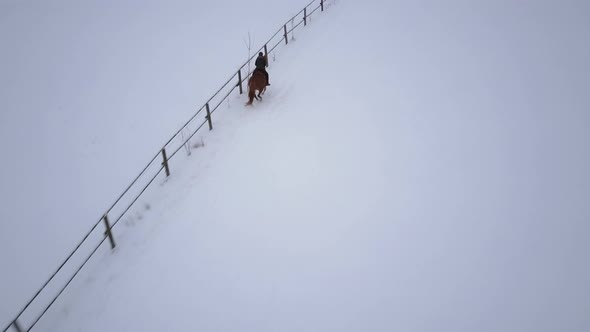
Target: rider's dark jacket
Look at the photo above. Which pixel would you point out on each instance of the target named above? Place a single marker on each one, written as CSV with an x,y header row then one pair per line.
x,y
260,62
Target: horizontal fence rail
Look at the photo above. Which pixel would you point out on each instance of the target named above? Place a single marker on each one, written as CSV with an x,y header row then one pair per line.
x,y
92,241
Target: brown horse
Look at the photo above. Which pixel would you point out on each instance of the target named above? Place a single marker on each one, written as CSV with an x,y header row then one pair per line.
x,y
256,82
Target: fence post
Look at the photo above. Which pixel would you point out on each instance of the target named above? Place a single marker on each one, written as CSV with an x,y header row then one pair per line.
x,y
16,326
286,38
240,80
322,4
165,162
305,16
108,232
209,116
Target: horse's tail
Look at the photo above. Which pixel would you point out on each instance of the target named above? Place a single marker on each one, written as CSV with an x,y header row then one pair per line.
x,y
251,92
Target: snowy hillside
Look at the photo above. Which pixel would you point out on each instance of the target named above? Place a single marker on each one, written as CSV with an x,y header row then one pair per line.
x,y
414,167
89,90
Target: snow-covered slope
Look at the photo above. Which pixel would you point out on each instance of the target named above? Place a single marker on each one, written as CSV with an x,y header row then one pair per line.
x,y
414,166
89,91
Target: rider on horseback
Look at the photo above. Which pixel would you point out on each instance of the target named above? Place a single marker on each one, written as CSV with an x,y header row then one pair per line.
x,y
261,65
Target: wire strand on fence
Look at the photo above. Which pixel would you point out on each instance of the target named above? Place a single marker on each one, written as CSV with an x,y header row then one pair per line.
x,y
184,126
188,139
222,87
67,284
133,182
313,11
222,100
294,27
56,272
93,251
137,197
276,45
